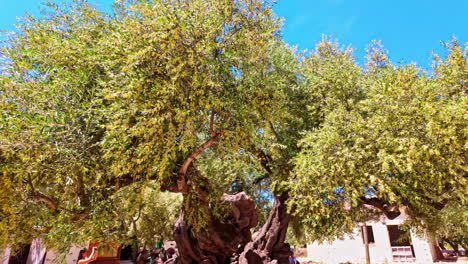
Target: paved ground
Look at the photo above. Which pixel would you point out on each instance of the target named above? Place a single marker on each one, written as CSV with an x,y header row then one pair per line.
x,y
463,260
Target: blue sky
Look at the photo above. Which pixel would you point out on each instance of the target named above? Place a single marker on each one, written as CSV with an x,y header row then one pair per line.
x,y
409,29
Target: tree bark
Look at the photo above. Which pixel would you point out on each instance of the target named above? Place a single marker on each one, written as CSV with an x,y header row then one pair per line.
x,y
268,244
390,211
233,242
454,246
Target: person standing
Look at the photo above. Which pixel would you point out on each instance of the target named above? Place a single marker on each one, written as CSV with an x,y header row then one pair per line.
x,y
292,259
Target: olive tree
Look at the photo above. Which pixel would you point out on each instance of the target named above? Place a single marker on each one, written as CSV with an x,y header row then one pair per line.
x,y
114,126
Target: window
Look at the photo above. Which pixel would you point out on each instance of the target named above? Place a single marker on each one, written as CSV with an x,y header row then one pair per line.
x,y
370,234
400,241
398,237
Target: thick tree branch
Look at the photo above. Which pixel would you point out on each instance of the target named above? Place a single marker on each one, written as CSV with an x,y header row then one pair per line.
x,y
140,208
45,199
78,216
182,182
274,131
211,129
390,211
135,220
264,161
212,141
438,205
51,203
80,194
42,197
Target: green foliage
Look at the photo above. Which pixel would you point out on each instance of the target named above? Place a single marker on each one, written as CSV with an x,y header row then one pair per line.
x,y
449,224
96,109
175,65
404,141
99,112
50,126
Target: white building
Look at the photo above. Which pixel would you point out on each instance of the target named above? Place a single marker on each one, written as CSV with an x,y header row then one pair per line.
x,y
387,244
37,254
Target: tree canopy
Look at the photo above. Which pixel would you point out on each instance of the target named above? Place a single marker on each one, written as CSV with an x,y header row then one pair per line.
x,y
111,124
399,134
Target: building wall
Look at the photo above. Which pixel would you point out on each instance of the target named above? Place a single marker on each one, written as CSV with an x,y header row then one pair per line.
x,y
423,249
39,255
37,252
4,255
352,249
71,257
349,248
379,251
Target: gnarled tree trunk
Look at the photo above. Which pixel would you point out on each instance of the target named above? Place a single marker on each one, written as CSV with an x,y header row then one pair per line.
x,y
233,243
268,244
